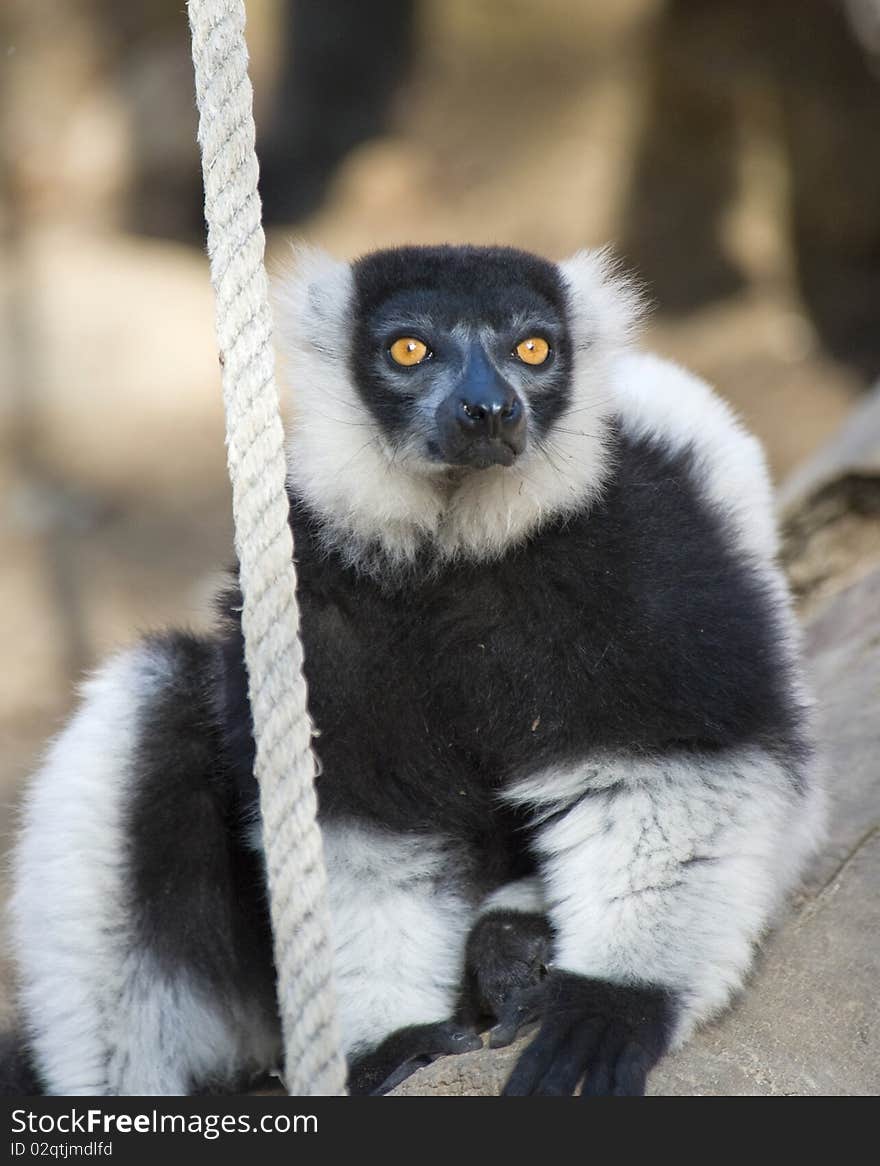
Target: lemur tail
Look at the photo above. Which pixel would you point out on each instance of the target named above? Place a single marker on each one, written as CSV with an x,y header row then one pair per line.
x,y
18,1077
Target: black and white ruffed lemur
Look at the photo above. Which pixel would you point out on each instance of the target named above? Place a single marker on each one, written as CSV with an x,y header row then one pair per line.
x,y
565,769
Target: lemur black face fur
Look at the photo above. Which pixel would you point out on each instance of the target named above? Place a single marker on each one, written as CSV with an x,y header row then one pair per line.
x,y
552,663
487,362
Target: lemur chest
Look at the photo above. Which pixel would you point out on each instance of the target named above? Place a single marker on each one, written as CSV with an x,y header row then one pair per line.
x,y
496,670
631,627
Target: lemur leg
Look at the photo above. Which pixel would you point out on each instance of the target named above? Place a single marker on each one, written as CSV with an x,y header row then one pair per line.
x,y
660,875
399,923
140,972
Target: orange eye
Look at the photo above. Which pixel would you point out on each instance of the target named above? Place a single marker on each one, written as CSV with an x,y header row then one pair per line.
x,y
408,351
534,350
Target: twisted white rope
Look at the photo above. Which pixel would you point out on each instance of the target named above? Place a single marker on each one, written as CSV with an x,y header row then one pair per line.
x,y
270,619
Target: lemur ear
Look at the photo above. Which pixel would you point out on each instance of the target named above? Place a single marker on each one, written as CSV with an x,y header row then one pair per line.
x,y
606,303
311,298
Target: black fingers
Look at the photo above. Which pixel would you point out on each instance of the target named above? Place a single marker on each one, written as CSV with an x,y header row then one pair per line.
x,y
609,1035
521,1008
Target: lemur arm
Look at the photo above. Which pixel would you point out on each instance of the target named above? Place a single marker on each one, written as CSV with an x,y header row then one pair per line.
x,y
659,882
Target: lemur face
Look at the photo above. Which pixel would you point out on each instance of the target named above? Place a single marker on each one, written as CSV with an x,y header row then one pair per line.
x,y
447,401
463,356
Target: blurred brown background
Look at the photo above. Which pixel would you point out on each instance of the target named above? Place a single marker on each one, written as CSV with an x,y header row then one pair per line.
x,y
728,148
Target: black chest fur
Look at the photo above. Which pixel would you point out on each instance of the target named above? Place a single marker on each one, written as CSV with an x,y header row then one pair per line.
x,y
631,627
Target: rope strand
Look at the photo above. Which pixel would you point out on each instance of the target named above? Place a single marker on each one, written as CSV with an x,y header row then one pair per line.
x,y
284,763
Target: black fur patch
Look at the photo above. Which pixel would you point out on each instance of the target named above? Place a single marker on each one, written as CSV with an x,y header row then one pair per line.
x,y
479,283
18,1077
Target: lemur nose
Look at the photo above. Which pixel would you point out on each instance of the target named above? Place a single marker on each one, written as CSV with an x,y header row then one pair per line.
x,y
483,420
492,414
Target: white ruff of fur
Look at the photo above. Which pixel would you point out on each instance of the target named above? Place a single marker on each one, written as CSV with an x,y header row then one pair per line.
x,y
371,496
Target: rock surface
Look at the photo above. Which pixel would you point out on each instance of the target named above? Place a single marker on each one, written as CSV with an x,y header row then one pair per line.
x,y
830,510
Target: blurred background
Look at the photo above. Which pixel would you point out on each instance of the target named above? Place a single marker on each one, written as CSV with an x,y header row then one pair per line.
x,y
727,148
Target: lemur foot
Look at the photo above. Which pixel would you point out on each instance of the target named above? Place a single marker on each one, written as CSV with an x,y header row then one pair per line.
x,y
506,962
405,1051
505,972
611,1035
